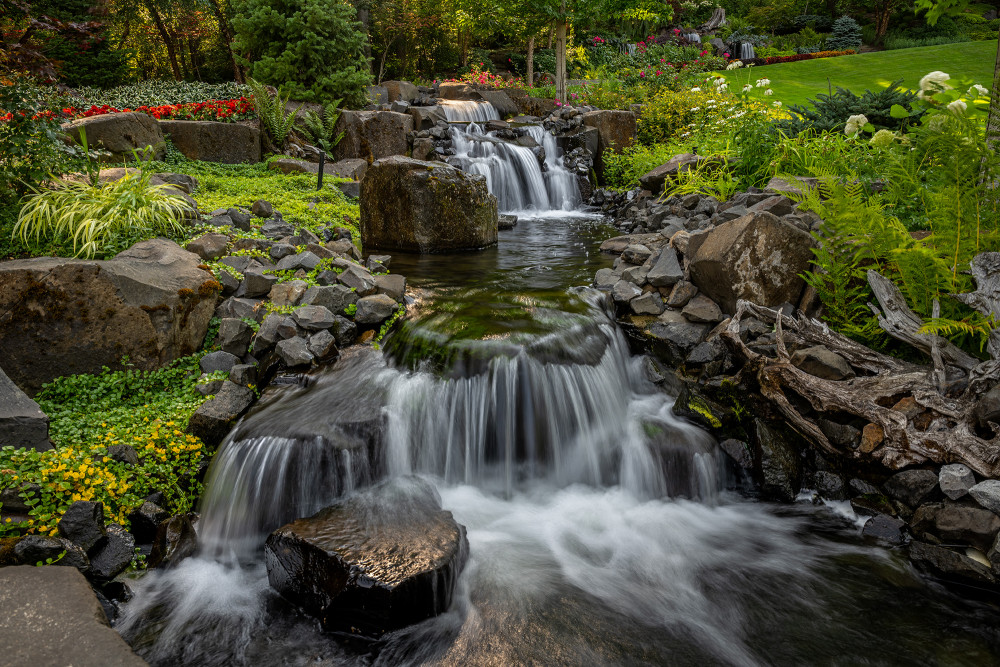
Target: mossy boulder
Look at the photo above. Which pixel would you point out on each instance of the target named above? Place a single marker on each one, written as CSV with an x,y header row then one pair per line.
x,y
426,207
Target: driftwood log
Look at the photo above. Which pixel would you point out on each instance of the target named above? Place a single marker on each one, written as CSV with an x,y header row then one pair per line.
x,y
946,432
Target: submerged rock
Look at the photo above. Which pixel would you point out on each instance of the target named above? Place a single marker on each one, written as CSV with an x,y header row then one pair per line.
x,y
380,560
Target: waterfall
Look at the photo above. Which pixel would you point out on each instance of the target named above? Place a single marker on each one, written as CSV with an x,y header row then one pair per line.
x,y
746,51
513,173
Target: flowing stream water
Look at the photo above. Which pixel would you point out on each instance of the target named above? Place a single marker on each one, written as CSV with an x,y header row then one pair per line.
x,y
600,525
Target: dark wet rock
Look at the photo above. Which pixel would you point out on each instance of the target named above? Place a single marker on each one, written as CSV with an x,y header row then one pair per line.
x,y
987,494
636,253
987,408
83,524
962,522
703,310
218,361
305,261
209,246
238,307
175,540
624,291
294,352
655,179
22,422
949,564
256,283
279,251
374,309
955,480
335,298
707,352
213,420
650,303
885,529
780,465
234,337
860,486
823,363
841,435
871,504
288,293
323,345
739,451
267,334
287,328
371,135
113,555
666,271
507,221
313,318
830,485
380,560
123,454
606,278
243,374
681,294
344,330
392,285
911,487
758,257
359,279
145,519
52,617
675,339
207,387
39,549
421,206
262,209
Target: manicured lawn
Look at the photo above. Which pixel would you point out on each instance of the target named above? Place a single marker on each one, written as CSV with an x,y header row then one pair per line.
x,y
794,83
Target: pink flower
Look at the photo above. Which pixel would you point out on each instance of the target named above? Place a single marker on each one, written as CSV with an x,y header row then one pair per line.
x,y
663,60
558,103
677,31
642,74
658,72
704,52
725,55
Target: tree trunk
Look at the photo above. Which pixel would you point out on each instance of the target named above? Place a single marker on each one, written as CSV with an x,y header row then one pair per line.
x,y
531,61
227,36
561,56
165,36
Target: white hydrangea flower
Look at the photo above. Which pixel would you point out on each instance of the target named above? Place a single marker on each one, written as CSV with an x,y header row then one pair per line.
x,y
958,107
769,92
882,139
855,123
932,83
696,89
981,91
736,64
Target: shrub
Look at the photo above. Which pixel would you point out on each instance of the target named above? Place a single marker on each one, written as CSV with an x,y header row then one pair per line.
x,y
312,50
90,216
31,145
830,112
158,93
845,34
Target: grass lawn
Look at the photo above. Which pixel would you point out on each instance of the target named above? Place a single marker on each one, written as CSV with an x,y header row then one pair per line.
x,y
794,83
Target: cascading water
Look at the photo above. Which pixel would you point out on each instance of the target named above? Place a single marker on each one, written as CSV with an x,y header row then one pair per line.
x,y
599,528
513,173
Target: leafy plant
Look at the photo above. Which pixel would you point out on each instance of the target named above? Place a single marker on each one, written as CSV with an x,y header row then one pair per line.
x,y
271,109
319,129
89,216
830,112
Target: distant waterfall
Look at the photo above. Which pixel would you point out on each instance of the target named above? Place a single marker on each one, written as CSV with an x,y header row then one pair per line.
x,y
513,173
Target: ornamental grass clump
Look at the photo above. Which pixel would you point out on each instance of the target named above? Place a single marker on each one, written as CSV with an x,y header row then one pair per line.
x,y
91,216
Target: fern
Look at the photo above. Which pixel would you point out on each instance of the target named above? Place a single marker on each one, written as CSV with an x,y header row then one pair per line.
x,y
274,120
319,129
708,178
977,327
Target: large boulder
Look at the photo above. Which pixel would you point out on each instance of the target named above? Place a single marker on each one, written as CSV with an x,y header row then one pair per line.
x,y
418,206
757,257
209,141
615,129
401,91
372,134
120,134
22,422
654,179
380,560
52,617
424,118
501,102
457,90
151,302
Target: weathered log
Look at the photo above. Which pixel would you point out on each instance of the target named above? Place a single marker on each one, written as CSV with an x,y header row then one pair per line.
x,y
949,438
901,323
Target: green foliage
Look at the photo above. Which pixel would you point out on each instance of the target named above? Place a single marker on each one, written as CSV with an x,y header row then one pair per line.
x,y
312,50
275,119
622,169
709,178
147,410
845,34
830,112
155,92
319,128
31,145
90,216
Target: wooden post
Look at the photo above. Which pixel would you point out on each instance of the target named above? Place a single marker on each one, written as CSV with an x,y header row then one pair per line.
x,y
561,54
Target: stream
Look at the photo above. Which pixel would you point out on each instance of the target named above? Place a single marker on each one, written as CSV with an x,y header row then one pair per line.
x,y
603,530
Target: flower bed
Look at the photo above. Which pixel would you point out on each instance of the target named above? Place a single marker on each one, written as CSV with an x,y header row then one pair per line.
x,y
773,60
226,111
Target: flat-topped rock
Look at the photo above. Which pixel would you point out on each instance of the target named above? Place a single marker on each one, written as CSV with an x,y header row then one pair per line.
x,y
22,422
